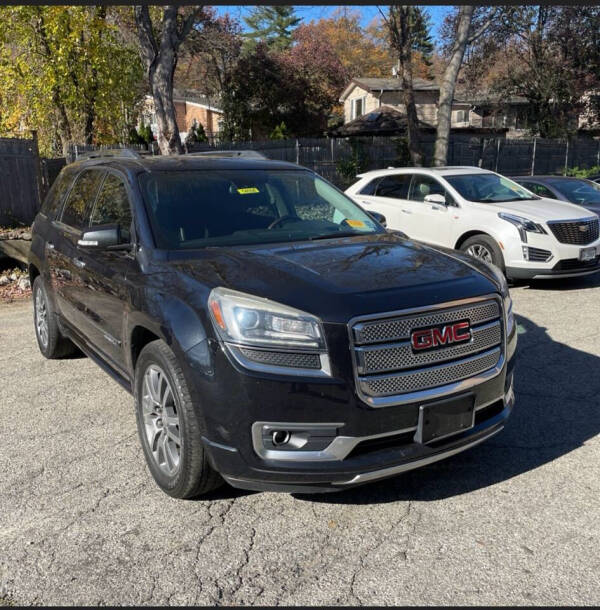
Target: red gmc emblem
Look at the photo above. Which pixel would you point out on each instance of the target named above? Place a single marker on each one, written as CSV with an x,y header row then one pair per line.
x,y
430,338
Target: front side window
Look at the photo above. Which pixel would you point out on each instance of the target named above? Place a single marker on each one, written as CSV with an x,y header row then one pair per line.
x,y
395,186
488,188
81,196
539,189
423,186
112,206
203,208
578,191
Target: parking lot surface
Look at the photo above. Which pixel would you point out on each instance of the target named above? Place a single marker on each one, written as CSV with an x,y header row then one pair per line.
x,y
515,520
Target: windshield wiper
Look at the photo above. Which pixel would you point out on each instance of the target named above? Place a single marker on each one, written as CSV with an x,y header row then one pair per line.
x,y
337,234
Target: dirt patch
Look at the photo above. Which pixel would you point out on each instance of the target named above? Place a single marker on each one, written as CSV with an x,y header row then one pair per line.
x,y
14,285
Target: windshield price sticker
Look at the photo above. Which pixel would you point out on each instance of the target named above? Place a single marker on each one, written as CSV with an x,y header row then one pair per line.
x,y
248,190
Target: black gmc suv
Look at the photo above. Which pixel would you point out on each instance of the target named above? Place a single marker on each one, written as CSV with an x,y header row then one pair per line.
x,y
272,333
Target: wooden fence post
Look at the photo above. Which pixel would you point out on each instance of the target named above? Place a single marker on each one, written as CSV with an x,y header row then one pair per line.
x,y
533,156
38,169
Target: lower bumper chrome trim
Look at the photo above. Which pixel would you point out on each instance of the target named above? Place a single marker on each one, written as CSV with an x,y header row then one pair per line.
x,y
388,472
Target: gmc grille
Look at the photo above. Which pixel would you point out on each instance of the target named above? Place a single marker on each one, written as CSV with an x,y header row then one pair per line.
x,y
387,368
576,232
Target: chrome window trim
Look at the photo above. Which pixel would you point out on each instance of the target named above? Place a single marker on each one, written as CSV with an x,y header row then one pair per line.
x,y
430,393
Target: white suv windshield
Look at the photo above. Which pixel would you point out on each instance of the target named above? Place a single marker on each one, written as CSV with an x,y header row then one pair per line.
x,y
488,188
200,208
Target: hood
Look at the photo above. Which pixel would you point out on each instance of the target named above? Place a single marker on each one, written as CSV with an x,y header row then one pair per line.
x,y
338,279
543,210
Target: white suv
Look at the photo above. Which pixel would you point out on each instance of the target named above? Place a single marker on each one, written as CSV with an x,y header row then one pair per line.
x,y
487,216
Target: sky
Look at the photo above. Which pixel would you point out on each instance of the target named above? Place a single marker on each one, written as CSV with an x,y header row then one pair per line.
x,y
368,12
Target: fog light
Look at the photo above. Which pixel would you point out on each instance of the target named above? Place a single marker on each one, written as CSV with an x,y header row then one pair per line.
x,y
280,437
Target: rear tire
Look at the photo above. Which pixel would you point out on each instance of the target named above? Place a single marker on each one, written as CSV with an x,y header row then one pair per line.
x,y
169,426
484,248
50,340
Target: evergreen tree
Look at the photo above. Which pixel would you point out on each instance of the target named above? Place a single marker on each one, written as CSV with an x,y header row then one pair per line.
x,y
420,28
272,25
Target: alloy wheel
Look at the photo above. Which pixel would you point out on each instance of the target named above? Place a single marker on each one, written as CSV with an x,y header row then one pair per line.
x,y
161,420
481,252
41,317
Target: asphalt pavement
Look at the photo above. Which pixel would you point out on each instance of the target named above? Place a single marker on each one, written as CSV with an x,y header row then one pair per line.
x,y
515,520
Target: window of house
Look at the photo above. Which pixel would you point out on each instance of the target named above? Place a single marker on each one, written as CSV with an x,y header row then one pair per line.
x,y
462,116
358,107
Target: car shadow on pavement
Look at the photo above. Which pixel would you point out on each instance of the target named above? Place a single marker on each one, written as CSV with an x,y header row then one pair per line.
x,y
557,410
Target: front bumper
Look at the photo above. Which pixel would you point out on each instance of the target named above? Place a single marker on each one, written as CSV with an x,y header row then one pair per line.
x,y
370,443
564,268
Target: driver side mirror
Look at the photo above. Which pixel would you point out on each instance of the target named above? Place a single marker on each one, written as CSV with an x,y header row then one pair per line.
x,y
377,217
435,198
101,237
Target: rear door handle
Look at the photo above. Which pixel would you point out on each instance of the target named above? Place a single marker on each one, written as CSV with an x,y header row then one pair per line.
x,y
79,263
49,245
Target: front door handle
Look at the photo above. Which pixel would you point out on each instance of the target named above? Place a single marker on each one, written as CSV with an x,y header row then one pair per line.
x,y
406,211
49,245
79,263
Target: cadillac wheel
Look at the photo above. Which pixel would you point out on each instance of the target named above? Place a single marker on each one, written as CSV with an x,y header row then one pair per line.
x,y
170,426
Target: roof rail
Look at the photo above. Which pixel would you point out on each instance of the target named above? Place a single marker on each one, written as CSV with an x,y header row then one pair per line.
x,y
109,152
248,154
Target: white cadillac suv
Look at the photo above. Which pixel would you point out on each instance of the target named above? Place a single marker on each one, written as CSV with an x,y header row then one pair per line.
x,y
487,216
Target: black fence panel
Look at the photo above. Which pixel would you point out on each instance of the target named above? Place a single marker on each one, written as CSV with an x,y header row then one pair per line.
x,y
20,181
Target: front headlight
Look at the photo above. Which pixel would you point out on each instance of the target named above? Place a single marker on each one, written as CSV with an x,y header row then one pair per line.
x,y
255,321
524,225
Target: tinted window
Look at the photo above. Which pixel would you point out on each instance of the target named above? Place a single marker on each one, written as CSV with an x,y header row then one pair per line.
x,y
81,196
195,209
112,206
423,186
578,191
369,188
57,193
539,189
393,186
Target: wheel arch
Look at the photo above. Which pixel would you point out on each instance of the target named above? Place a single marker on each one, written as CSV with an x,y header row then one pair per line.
x,y
463,238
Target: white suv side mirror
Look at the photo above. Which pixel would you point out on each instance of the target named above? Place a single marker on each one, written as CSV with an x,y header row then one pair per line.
x,y
435,198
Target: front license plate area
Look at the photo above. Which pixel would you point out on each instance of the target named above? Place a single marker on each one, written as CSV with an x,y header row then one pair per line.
x,y
587,254
445,418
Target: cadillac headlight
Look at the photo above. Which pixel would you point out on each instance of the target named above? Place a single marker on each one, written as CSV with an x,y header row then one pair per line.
x,y
524,225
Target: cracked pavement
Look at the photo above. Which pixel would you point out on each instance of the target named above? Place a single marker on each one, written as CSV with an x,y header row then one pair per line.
x,y
512,521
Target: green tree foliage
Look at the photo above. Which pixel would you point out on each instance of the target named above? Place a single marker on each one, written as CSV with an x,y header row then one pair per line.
x,y
271,25
66,72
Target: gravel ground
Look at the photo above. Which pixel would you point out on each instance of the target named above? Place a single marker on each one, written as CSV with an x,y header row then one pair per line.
x,y
513,521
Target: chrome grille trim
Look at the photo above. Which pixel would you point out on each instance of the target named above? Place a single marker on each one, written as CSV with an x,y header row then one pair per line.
x,y
399,356
385,330
388,373
425,378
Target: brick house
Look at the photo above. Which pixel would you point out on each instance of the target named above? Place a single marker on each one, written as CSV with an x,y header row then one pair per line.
x,y
191,108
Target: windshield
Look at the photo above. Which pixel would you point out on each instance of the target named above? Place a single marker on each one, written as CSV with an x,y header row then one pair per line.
x,y
200,208
488,188
578,191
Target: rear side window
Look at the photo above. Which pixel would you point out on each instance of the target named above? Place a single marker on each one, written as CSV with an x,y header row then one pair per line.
x,y
112,206
81,196
57,193
369,188
393,186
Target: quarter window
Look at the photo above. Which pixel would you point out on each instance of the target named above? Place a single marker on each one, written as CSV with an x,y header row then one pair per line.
x,y
81,196
112,206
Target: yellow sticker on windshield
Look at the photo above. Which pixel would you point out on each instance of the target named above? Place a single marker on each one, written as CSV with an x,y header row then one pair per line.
x,y
355,223
247,191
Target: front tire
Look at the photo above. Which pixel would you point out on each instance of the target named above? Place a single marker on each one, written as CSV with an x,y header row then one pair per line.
x,y
50,340
169,427
484,248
